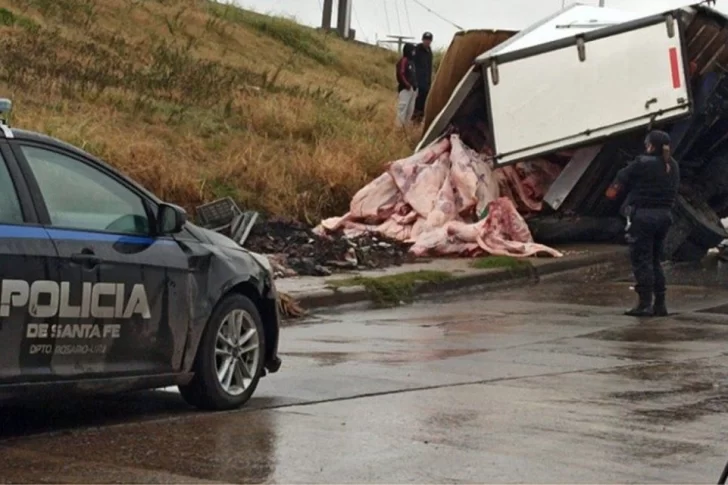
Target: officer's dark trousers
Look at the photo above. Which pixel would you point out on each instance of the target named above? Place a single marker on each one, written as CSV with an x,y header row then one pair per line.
x,y
422,94
646,237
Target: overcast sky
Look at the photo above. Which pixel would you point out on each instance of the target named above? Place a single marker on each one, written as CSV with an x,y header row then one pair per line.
x,y
375,19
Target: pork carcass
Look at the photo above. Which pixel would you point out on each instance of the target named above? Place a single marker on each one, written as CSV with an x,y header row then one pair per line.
x,y
425,198
422,191
375,201
504,232
444,210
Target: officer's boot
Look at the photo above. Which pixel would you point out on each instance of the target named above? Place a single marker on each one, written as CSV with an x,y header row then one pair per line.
x,y
660,309
644,306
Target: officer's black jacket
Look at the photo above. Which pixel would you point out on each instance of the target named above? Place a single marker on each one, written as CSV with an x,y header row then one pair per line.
x,y
423,61
648,184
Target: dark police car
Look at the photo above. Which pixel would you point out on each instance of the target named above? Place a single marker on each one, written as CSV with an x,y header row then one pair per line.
x,y
105,288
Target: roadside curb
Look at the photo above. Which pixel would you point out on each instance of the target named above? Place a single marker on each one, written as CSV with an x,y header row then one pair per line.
x,y
357,294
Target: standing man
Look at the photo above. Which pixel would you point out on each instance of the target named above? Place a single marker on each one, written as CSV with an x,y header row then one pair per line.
x,y
423,62
651,184
406,85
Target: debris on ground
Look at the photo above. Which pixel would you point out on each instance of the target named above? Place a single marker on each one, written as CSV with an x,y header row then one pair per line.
x,y
722,251
295,250
447,200
289,307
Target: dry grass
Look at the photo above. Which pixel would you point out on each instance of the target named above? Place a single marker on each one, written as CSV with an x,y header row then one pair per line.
x,y
198,100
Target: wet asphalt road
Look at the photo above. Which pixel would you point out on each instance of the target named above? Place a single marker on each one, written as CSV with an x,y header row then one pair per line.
x,y
541,385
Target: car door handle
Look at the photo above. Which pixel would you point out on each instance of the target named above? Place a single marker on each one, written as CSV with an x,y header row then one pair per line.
x,y
87,259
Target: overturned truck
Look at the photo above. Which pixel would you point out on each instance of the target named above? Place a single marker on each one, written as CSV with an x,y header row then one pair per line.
x,y
577,93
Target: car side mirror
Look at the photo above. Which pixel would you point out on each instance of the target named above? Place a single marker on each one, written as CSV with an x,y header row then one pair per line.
x,y
170,219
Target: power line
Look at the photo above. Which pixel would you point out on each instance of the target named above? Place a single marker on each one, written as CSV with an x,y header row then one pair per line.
x,y
356,17
418,2
409,20
386,15
399,19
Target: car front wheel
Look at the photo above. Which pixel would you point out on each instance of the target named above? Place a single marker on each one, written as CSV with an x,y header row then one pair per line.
x,y
229,361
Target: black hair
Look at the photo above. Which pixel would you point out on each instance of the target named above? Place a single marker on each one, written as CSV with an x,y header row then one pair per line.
x,y
661,141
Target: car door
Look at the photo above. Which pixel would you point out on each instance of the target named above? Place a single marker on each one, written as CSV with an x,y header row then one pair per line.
x,y
124,305
26,256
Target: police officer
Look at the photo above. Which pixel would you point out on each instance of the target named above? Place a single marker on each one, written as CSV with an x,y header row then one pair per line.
x,y
423,63
651,185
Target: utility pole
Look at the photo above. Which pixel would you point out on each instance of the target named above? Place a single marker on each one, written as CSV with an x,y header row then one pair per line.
x,y
344,18
328,11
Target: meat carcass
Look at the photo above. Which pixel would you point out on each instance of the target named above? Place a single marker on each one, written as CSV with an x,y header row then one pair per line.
x,y
439,242
503,232
444,210
394,230
526,183
404,172
426,198
463,176
538,175
423,190
375,201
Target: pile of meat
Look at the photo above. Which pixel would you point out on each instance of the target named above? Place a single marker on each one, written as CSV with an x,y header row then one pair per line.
x,y
447,200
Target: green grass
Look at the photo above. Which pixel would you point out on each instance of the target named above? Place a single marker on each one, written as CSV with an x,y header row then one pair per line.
x,y
302,40
391,290
9,19
501,262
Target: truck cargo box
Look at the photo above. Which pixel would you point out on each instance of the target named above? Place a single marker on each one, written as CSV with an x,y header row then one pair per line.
x,y
587,84
587,87
563,26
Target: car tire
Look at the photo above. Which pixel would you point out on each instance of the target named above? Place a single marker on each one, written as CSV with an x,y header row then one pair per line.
x,y
227,350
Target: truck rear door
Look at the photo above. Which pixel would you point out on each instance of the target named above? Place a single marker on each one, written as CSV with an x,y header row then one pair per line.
x,y
577,90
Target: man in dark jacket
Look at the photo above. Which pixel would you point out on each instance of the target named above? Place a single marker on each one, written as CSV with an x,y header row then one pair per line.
x,y
423,62
651,184
406,85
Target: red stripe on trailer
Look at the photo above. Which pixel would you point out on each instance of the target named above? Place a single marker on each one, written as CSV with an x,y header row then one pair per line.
x,y
675,68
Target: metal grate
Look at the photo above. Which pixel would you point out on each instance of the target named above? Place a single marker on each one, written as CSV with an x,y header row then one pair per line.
x,y
242,225
218,214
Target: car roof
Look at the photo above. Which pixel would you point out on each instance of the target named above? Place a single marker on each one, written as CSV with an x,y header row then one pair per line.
x,y
18,134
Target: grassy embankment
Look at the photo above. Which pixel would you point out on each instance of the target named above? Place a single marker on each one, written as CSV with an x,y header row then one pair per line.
x,y
199,100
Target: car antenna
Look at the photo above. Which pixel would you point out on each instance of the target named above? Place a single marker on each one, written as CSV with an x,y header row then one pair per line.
x,y
5,107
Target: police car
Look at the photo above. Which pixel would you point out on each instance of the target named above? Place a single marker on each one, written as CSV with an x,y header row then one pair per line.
x,y
104,287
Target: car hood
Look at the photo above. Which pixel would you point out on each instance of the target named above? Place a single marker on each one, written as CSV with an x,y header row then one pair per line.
x,y
224,242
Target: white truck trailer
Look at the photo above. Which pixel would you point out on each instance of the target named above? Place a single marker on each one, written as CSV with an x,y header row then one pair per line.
x,y
593,81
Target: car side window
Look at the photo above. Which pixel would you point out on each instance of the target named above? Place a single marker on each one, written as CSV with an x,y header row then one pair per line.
x,y
10,212
79,196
